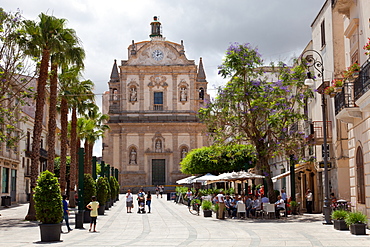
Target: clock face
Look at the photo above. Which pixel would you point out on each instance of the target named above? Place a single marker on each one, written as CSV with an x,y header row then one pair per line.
x,y
157,55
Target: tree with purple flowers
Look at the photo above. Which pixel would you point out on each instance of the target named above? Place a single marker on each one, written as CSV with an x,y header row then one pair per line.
x,y
260,105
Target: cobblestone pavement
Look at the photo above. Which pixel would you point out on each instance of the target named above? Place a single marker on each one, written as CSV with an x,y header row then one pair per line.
x,y
171,224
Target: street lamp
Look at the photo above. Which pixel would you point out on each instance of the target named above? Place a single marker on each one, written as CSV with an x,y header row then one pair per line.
x,y
317,64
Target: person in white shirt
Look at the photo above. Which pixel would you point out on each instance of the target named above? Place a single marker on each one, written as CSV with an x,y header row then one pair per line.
x,y
221,204
279,205
189,196
309,199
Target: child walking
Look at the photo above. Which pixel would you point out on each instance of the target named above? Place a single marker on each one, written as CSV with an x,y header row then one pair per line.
x,y
93,206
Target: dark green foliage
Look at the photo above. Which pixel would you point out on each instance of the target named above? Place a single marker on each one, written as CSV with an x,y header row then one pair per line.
x,y
113,185
355,218
109,194
48,201
218,159
89,188
206,205
102,190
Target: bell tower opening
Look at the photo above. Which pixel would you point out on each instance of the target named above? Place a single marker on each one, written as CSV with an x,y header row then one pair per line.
x,y
156,28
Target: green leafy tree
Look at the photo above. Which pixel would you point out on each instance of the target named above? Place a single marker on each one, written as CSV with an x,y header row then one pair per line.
x,y
218,159
253,108
15,78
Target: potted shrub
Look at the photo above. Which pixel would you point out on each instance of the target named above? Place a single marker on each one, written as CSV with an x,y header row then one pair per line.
x,y
357,223
338,217
207,206
215,208
89,191
294,207
101,194
329,91
49,207
107,202
338,84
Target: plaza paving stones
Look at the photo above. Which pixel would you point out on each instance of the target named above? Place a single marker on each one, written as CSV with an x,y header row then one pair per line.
x,y
171,224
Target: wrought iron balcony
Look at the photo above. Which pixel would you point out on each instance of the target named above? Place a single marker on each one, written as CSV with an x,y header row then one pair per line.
x,y
345,98
362,83
318,128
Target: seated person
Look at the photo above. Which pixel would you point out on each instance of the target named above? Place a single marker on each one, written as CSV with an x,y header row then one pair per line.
x,y
256,205
279,205
248,204
265,199
228,205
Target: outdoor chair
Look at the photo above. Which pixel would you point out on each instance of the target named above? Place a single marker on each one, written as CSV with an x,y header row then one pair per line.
x,y
240,209
269,209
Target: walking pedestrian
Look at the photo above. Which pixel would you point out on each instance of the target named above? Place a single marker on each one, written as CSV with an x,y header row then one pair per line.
x,y
93,206
149,201
66,212
157,191
161,190
129,201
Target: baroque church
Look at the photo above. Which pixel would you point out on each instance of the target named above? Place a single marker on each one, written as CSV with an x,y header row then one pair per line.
x,y
152,102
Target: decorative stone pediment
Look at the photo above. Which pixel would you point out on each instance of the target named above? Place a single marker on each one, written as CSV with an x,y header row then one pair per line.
x,y
158,81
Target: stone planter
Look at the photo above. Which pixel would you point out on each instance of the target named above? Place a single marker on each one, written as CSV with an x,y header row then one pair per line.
x,y
207,213
358,229
101,210
340,225
87,217
50,232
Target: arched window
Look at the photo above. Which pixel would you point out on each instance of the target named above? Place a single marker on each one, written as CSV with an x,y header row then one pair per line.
x,y
201,93
360,176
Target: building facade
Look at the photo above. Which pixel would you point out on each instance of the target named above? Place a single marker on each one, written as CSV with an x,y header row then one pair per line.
x,y
153,100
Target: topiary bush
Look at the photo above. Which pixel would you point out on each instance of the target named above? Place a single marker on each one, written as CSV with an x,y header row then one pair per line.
x,y
89,189
101,191
109,189
48,199
113,185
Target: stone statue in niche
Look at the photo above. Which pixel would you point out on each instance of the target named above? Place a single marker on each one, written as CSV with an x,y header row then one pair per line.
x,y
133,156
183,94
183,153
158,146
133,94
115,94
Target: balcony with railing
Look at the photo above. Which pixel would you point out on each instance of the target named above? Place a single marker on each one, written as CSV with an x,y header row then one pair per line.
x,y
354,97
318,128
362,83
158,107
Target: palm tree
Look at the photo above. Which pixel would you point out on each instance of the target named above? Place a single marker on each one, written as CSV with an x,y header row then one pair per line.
x,y
70,55
67,79
81,95
97,132
40,38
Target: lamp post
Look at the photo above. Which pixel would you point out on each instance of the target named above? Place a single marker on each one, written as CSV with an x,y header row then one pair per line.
x,y
317,64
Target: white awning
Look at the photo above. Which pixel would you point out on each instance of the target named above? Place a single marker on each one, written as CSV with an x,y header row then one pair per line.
x,y
187,180
298,167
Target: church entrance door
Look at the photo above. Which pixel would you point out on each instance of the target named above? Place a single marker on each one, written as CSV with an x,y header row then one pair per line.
x,y
158,171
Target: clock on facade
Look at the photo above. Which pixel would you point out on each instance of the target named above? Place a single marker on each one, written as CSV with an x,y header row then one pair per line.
x,y
157,55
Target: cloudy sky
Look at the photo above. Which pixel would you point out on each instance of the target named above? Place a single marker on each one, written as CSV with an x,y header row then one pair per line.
x,y
279,28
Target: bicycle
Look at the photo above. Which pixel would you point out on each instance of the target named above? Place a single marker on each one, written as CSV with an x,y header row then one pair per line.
x,y
195,207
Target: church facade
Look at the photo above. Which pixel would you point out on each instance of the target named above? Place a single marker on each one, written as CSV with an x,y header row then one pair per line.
x,y
153,100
